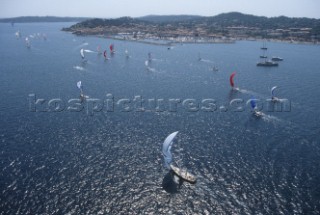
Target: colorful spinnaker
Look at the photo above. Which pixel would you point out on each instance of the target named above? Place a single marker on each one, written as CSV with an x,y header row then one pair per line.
x,y
111,48
231,79
254,107
253,103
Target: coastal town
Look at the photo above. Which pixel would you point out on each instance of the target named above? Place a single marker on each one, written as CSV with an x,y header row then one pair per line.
x,y
195,31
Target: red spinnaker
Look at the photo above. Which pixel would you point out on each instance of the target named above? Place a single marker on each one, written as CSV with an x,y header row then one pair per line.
x,y
231,79
111,47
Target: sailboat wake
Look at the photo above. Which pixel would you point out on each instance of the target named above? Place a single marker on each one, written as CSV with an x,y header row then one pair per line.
x,y
206,61
249,92
81,45
80,68
269,118
156,59
148,67
89,51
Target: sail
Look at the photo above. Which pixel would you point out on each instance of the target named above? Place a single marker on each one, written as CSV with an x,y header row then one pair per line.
x,y
18,35
231,79
272,90
146,63
82,53
105,54
253,103
166,149
79,85
126,52
111,47
27,42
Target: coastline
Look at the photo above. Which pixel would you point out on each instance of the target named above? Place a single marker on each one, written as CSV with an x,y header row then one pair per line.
x,y
172,41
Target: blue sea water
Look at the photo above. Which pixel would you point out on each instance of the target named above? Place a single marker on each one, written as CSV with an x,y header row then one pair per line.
x,y
110,162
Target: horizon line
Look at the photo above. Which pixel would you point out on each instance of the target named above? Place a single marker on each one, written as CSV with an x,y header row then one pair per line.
x,y
24,16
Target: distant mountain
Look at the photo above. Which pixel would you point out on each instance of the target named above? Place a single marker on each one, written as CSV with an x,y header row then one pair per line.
x,y
168,18
236,19
123,21
239,19
26,19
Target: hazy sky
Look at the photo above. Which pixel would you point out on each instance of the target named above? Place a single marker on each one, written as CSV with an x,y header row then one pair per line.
x,y
135,8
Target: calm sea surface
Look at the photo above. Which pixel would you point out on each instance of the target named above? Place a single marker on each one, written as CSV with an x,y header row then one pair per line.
x,y
90,162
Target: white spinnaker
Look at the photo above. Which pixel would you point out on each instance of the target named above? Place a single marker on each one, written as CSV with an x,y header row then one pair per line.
x,y
272,90
166,149
82,53
79,85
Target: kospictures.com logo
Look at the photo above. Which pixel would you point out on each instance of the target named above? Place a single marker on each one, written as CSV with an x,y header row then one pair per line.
x,y
139,104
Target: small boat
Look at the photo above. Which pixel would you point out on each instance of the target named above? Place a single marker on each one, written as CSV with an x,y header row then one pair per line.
x,y
149,56
215,69
82,96
105,55
264,47
28,43
277,59
82,53
168,160
263,56
274,98
257,113
232,81
18,35
254,107
267,63
184,174
99,50
112,51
